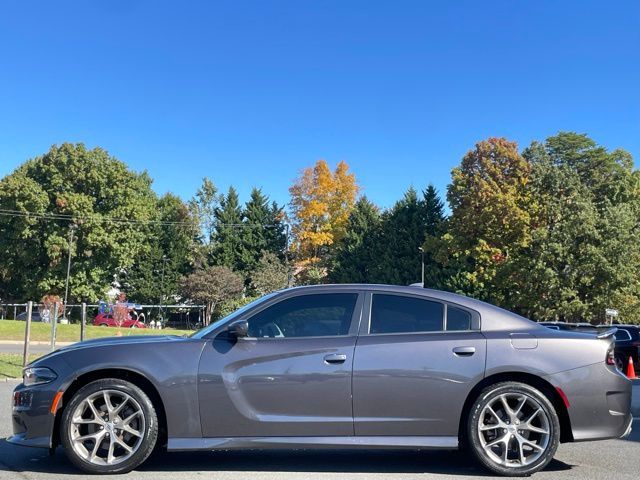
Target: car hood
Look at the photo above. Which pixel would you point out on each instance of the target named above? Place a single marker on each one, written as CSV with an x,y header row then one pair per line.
x,y
109,341
128,340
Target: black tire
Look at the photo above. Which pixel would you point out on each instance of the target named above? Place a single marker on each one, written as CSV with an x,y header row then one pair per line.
x,y
149,432
620,363
475,444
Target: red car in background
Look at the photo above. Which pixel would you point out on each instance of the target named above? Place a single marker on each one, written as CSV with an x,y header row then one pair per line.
x,y
107,320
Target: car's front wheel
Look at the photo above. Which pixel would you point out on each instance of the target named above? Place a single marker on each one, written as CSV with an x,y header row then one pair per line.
x,y
109,426
513,429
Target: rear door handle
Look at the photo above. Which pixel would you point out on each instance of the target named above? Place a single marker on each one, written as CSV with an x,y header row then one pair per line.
x,y
464,351
335,358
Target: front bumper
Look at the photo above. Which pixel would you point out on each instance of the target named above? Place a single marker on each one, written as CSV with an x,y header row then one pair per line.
x,y
599,401
31,416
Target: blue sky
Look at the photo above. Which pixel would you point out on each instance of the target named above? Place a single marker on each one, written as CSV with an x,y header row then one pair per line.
x,y
250,92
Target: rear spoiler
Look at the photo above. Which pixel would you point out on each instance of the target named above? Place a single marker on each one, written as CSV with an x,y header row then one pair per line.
x,y
608,334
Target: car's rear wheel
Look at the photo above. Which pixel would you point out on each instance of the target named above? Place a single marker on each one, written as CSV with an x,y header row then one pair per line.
x,y
109,426
513,429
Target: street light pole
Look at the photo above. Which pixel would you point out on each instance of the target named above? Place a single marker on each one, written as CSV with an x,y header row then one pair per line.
x,y
66,283
421,250
286,255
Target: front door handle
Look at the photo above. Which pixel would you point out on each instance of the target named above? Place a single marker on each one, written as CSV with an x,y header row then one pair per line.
x,y
464,351
335,358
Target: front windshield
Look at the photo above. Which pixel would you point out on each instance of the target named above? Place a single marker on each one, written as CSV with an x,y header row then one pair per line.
x,y
204,331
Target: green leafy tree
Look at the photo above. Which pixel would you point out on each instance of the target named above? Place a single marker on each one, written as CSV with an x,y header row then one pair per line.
x,y
203,207
585,249
212,286
155,275
71,184
270,274
490,219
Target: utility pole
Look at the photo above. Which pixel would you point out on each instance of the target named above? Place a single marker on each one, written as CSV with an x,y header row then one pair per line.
x,y
72,227
162,295
27,335
421,250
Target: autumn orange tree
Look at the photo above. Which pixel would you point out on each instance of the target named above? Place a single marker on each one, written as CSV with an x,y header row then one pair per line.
x,y
491,214
321,201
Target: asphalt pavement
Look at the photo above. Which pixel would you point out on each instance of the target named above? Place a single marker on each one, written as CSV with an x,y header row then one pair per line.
x,y
611,459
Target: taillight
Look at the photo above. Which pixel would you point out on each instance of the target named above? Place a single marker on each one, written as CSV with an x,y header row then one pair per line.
x,y
611,359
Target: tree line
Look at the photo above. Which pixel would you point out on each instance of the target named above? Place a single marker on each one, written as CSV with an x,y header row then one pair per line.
x,y
549,231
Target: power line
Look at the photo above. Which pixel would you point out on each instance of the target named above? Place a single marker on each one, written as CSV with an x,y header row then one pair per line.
x,y
107,219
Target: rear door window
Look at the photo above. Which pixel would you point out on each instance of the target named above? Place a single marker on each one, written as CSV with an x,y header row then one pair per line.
x,y
622,335
402,314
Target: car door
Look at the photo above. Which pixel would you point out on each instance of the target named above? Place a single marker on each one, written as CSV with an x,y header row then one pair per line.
x,y
291,376
416,361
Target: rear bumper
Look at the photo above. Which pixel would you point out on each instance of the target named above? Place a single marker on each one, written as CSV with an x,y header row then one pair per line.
x,y
599,399
628,430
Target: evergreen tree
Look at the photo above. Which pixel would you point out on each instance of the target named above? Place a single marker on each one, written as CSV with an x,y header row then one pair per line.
x,y
434,221
227,239
263,230
433,211
398,243
277,235
354,257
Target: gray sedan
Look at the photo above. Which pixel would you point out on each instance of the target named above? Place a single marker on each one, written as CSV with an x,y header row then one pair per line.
x,y
331,366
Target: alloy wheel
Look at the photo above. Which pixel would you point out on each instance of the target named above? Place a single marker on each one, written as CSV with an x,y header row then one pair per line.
x,y
107,427
514,429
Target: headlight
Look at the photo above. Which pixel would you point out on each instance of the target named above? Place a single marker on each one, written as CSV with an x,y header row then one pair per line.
x,y
38,376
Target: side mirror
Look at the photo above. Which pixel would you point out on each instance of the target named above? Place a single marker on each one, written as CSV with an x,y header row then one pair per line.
x,y
238,329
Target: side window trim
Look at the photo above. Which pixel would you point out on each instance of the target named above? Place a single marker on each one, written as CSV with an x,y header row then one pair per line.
x,y
446,316
365,325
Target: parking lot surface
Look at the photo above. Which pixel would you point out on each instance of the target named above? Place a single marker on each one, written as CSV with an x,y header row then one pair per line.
x,y
611,459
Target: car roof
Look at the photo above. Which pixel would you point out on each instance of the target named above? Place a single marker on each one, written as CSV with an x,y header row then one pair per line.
x,y
620,325
491,317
